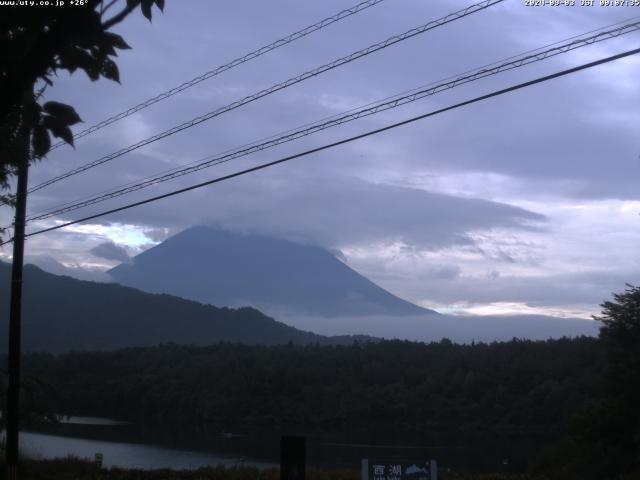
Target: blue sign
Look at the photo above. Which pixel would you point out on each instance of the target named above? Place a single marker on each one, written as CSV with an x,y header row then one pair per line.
x,y
399,470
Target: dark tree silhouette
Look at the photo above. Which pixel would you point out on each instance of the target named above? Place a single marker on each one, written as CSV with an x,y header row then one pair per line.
x,y
604,439
620,410
37,42
523,386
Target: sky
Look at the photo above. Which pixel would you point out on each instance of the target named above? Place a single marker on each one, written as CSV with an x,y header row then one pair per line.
x,y
524,203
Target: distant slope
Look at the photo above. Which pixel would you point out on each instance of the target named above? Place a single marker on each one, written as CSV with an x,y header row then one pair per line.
x,y
51,265
229,269
457,328
62,313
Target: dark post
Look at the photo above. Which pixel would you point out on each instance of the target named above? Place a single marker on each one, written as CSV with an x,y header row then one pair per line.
x,y
293,458
13,390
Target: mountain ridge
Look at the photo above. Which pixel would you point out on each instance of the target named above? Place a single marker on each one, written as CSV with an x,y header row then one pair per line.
x,y
222,268
61,313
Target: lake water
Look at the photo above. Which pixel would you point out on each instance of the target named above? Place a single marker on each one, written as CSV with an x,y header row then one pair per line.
x,y
127,455
186,447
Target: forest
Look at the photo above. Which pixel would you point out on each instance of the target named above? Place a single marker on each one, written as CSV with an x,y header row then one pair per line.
x,y
582,393
517,385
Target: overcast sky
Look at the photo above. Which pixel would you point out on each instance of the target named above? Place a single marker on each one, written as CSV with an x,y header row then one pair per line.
x,y
527,202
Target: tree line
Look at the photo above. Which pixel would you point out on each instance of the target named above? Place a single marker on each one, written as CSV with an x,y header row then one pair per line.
x,y
513,385
583,392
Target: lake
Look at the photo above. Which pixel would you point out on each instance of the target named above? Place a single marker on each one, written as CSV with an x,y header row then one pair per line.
x,y
191,446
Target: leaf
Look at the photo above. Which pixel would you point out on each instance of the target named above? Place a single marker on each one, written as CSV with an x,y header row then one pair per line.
x,y
117,41
145,5
40,142
110,70
73,58
65,65
66,113
160,4
58,129
106,48
32,112
132,3
86,25
67,135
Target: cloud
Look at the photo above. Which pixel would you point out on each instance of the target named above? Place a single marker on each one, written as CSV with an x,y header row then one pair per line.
x,y
495,202
344,212
333,212
156,234
49,264
473,284
111,251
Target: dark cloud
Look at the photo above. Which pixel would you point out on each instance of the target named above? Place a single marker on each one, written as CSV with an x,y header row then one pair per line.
x,y
574,139
337,212
558,136
157,234
111,251
446,272
580,289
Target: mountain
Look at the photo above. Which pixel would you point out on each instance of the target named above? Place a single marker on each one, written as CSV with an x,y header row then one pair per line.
x,y
61,314
222,268
51,265
309,288
457,328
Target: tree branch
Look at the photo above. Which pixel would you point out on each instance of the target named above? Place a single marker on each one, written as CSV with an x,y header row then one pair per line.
x,y
108,6
119,17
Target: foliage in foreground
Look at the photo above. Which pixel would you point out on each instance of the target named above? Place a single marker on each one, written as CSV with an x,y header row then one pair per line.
x,y
603,441
75,469
37,44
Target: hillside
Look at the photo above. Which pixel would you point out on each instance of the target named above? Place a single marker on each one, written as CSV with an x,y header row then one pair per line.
x,y
62,313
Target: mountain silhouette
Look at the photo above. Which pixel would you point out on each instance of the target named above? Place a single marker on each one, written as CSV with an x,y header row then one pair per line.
x,y
61,313
222,268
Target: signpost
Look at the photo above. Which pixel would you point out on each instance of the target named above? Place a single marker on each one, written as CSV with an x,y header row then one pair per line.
x,y
293,458
373,469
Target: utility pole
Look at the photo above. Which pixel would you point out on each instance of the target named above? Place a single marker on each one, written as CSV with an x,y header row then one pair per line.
x,y
13,390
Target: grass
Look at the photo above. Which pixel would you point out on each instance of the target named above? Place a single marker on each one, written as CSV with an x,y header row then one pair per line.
x,y
76,469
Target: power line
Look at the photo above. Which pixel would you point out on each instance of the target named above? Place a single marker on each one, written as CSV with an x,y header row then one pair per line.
x,y
601,30
381,106
228,66
341,142
280,86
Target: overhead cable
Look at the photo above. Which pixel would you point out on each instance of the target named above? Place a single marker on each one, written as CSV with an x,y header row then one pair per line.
x,y
340,142
223,68
277,87
387,104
